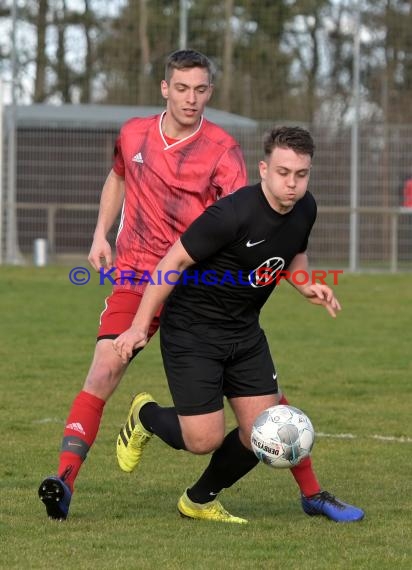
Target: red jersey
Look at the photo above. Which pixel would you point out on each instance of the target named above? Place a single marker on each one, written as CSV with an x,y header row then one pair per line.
x,y
168,186
407,194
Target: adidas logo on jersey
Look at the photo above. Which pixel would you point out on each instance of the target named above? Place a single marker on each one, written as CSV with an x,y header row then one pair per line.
x,y
76,427
138,158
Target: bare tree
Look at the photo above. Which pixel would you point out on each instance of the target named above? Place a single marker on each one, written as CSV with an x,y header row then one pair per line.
x,y
62,70
86,83
41,57
145,67
227,59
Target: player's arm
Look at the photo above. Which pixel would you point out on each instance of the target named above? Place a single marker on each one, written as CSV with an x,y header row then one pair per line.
x,y
176,260
316,293
111,201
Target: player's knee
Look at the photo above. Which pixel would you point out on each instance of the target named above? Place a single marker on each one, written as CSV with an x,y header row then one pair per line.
x,y
201,444
244,436
103,378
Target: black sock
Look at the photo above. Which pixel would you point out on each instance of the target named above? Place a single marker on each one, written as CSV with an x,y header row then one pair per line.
x,y
228,464
164,423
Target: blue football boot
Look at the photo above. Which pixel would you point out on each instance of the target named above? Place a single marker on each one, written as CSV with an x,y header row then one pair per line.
x,y
325,504
56,496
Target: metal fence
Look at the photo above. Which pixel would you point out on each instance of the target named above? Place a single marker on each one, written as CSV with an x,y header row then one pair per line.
x,y
341,66
60,167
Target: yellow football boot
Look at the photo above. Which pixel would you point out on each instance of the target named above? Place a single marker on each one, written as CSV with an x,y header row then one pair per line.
x,y
212,511
133,436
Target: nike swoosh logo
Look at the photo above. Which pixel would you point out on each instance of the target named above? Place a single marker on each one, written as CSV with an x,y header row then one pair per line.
x,y
252,244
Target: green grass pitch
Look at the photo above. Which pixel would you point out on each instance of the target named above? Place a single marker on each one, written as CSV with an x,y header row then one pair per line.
x,y
351,375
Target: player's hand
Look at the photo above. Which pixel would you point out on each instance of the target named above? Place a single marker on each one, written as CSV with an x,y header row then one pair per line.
x,y
100,254
319,294
128,341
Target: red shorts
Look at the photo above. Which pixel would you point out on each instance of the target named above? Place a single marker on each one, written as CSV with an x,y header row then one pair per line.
x,y
120,310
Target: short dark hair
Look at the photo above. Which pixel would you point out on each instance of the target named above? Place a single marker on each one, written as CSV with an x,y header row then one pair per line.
x,y
187,59
295,138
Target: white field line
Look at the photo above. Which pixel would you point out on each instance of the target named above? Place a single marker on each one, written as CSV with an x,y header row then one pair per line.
x,y
402,439
49,421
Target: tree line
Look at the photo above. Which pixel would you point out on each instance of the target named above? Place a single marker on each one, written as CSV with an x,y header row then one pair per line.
x,y
283,59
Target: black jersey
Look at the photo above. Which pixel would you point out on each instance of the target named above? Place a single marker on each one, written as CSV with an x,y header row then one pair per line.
x,y
239,244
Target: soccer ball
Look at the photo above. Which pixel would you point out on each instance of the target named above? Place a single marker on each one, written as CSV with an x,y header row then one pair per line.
x,y
282,436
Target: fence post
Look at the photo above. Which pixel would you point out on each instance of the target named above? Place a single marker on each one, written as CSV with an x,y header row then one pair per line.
x,y
1,171
51,229
354,183
394,242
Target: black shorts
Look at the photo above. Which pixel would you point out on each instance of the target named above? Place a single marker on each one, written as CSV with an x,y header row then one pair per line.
x,y
200,373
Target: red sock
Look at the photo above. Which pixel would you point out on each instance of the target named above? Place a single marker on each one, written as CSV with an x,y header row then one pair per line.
x,y
303,473
79,434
